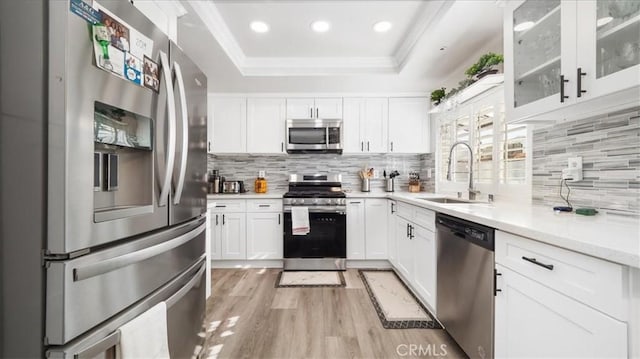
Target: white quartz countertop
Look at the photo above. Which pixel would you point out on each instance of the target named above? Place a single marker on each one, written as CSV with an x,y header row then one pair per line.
x,y
607,236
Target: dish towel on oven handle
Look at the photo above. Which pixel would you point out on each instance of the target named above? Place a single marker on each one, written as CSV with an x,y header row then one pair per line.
x,y
300,221
145,336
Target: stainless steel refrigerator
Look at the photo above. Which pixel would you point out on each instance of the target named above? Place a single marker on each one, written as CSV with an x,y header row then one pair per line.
x,y
111,219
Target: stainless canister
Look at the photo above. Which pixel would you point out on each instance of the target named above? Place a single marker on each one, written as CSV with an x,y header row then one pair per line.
x,y
365,185
389,184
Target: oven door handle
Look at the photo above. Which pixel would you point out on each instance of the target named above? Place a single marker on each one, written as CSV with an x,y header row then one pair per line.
x,y
320,209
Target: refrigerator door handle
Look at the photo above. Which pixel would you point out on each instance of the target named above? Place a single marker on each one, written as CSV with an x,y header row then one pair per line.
x,y
111,264
185,133
99,347
171,135
193,283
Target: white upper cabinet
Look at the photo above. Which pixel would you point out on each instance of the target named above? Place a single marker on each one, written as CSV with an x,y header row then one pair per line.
x,y
318,108
300,108
365,125
266,125
562,53
227,125
608,46
408,125
329,108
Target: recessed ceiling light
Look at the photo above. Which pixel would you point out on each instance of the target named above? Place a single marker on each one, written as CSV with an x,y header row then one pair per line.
x,y
382,26
320,26
603,21
523,26
259,26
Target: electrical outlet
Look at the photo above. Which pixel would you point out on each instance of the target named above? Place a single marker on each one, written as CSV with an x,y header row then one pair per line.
x,y
574,171
429,172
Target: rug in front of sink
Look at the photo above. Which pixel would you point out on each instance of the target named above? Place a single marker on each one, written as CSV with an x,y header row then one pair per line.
x,y
396,306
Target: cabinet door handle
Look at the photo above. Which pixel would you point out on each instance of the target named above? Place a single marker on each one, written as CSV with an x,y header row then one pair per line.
x,y
495,282
411,236
264,205
367,146
216,219
221,206
278,218
562,82
407,230
392,208
281,146
317,112
223,223
209,146
310,112
391,146
355,202
580,74
535,261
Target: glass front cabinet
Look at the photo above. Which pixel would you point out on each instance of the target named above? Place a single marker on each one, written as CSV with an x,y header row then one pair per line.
x,y
562,52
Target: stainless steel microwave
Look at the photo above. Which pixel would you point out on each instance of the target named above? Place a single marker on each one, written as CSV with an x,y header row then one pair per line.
x,y
314,135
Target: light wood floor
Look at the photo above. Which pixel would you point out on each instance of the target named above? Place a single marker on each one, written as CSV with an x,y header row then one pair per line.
x,y
247,317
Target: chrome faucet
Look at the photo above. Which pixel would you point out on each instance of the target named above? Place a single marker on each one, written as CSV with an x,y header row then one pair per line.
x,y
472,192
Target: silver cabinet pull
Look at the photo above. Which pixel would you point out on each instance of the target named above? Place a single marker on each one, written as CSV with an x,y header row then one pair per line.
x,y
311,112
391,146
171,133
185,133
361,146
281,146
223,222
216,219
264,205
111,264
317,112
368,146
221,206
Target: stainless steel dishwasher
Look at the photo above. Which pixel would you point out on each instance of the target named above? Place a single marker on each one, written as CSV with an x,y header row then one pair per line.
x,y
466,280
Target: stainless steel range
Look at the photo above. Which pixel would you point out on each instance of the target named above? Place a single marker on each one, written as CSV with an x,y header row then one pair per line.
x,y
325,246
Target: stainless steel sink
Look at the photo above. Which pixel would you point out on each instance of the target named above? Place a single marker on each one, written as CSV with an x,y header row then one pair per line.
x,y
446,200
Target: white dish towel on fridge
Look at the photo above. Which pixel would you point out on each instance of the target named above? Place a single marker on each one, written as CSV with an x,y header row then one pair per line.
x,y
145,336
300,221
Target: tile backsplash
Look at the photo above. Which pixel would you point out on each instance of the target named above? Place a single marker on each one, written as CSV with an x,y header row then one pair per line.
x,y
245,167
610,149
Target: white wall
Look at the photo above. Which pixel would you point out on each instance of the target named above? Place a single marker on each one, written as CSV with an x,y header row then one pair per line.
x,y
458,75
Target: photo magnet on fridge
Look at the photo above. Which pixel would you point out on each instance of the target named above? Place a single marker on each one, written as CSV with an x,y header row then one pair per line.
x,y
151,74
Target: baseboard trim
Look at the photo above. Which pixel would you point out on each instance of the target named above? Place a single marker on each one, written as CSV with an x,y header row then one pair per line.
x,y
278,263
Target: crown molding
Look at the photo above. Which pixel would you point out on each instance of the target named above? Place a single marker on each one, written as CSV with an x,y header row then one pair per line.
x,y
426,18
214,22
318,66
429,15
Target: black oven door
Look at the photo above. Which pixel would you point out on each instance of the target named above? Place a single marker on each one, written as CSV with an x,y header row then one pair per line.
x,y
327,237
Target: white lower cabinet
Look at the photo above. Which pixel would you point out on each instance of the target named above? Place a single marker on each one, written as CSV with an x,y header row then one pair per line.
x,y
233,235
534,321
392,246
367,228
355,229
376,228
416,250
213,236
264,236
424,249
405,248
